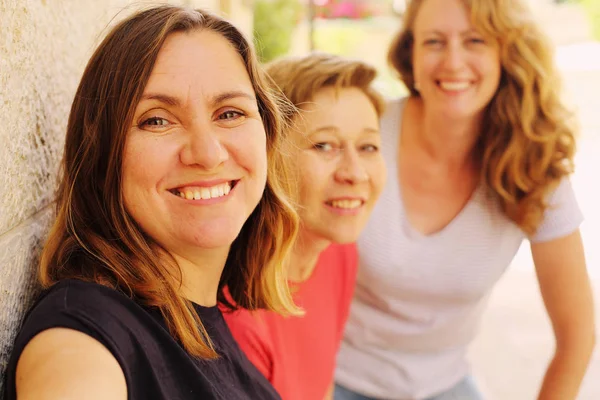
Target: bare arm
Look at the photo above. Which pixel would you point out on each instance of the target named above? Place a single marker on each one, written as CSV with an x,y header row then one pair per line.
x,y
566,291
66,364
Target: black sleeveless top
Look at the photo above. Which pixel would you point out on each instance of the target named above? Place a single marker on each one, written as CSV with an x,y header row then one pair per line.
x,y
155,365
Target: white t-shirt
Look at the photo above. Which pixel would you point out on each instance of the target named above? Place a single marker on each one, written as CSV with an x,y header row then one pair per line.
x,y
418,298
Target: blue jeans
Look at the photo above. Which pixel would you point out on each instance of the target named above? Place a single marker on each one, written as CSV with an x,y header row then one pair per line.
x,y
463,390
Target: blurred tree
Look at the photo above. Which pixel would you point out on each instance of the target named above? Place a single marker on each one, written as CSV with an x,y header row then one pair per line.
x,y
274,24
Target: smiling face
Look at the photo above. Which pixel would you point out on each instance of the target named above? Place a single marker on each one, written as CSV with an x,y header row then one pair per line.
x,y
336,157
456,69
195,163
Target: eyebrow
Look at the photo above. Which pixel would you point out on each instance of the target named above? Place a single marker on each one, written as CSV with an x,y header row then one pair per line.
x,y
234,94
333,129
371,130
214,100
437,32
163,98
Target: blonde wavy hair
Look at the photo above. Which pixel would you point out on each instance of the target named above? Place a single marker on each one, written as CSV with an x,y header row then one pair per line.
x,y
95,239
527,142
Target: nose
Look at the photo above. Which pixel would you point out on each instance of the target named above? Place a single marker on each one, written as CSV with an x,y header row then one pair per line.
x,y
204,148
454,56
350,168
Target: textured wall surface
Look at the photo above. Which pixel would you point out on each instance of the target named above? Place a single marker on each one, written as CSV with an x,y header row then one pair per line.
x,y
44,46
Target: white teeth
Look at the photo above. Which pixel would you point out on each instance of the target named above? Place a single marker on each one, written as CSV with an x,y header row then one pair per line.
x,y
455,86
347,204
204,193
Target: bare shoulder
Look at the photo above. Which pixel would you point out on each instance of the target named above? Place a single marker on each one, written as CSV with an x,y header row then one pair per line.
x,y
62,363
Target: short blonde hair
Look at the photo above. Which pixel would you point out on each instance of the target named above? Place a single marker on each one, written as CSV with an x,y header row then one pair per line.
x,y
300,78
527,143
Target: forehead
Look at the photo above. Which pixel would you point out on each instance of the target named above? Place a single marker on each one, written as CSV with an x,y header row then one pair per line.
x,y
330,98
348,111
198,62
442,15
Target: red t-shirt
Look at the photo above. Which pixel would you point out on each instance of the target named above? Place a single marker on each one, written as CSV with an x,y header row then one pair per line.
x,y
297,354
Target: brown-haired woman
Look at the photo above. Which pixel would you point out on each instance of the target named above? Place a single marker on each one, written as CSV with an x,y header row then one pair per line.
x,y
170,191
483,149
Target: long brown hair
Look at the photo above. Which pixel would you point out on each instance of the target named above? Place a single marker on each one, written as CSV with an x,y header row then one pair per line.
x,y
527,142
95,239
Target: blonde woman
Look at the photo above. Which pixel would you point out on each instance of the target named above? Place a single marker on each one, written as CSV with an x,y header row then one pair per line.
x,y
336,160
170,191
482,150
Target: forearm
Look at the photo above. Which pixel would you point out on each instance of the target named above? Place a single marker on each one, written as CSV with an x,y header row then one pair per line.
x,y
567,294
566,371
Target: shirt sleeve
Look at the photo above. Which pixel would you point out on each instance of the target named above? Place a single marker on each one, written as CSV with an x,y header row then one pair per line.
x,y
562,216
251,334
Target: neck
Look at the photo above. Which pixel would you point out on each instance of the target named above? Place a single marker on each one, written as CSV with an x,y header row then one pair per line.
x,y
305,255
201,273
448,141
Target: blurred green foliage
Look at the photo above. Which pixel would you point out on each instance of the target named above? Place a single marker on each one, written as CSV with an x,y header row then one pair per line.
x,y
338,39
592,9
274,24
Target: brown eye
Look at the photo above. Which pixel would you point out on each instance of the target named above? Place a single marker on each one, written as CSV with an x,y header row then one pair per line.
x,y
476,41
155,121
230,115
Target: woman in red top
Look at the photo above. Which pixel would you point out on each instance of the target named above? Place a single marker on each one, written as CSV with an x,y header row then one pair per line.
x,y
334,156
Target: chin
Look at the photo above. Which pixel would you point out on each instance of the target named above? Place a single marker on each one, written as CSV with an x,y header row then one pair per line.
x,y
344,237
461,113
214,238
